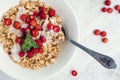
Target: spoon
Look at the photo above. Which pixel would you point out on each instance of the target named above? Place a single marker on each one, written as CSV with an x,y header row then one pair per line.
x,y
104,60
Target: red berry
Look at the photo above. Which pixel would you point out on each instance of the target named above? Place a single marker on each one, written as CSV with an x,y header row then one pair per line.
x,y
24,17
105,40
109,10
7,21
103,33
18,40
52,12
21,54
34,32
31,16
17,25
117,7
23,30
35,50
40,44
21,42
50,26
30,54
56,28
104,9
107,2
97,32
42,9
74,72
33,22
30,27
41,50
38,27
43,15
36,13
43,39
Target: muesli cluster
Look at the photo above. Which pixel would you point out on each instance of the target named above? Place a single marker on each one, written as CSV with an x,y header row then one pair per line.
x,y
31,34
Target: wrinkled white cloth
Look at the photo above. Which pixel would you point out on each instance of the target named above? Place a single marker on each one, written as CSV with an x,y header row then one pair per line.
x,y
90,18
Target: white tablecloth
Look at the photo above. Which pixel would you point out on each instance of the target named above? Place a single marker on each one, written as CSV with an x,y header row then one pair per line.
x,y
90,17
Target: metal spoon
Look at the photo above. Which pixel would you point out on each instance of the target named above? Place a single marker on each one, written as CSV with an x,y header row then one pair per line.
x,y
104,60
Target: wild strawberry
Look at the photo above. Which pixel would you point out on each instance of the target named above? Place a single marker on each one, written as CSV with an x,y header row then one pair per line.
x,y
104,9
97,32
30,54
18,39
50,26
103,33
31,16
7,21
117,7
41,50
74,72
24,17
21,54
109,10
105,40
56,28
40,44
35,50
38,27
43,15
42,9
107,2
34,32
52,12
33,22
36,13
17,25
43,39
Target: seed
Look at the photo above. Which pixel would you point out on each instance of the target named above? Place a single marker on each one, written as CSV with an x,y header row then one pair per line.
x,y
104,9
97,32
109,10
105,40
103,33
74,72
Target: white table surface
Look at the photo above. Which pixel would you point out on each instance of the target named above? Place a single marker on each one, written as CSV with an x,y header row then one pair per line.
x,y
90,17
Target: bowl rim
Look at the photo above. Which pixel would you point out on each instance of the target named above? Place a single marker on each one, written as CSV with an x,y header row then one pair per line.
x,y
78,39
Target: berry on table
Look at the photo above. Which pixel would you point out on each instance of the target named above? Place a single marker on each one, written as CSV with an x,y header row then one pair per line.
x,y
97,32
109,10
107,2
117,7
105,40
74,73
104,9
103,33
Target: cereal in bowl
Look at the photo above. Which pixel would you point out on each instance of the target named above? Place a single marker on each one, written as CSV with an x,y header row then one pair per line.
x,y
31,33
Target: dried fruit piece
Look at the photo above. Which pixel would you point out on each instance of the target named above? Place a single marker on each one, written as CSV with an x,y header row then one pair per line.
x,y
24,17
56,28
74,72
7,21
105,40
103,33
34,32
109,10
17,25
52,12
33,22
104,9
50,26
43,39
21,54
97,32
30,54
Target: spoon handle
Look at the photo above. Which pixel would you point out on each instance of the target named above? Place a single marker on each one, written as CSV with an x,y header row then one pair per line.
x,y
104,60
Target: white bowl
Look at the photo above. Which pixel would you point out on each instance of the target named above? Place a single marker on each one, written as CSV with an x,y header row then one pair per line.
x,y
67,51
